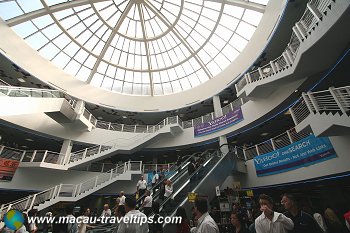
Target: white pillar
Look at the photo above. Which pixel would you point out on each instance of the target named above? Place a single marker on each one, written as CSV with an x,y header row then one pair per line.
x,y
218,113
79,108
66,149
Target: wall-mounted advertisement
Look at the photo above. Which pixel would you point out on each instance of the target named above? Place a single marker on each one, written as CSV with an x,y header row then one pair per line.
x,y
308,151
8,168
219,123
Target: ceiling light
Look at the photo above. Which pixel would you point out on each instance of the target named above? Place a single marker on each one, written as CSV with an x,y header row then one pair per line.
x,y
225,101
287,113
100,118
124,117
24,146
29,140
21,80
264,134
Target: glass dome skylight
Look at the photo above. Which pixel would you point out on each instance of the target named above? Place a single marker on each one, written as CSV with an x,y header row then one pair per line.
x,y
138,47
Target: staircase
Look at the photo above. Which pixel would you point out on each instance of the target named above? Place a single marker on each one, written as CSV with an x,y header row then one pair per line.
x,y
73,192
55,104
319,27
78,159
326,113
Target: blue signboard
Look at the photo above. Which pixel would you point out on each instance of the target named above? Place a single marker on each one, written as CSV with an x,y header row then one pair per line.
x,y
219,123
305,152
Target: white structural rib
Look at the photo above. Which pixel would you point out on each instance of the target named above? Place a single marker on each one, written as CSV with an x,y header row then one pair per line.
x,y
142,19
109,41
244,4
49,10
179,36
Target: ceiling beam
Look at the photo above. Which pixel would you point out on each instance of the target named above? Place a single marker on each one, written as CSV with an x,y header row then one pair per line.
x,y
244,4
109,41
144,33
49,10
179,36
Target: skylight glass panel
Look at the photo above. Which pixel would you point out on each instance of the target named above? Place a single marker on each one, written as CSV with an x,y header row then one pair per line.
x,y
179,45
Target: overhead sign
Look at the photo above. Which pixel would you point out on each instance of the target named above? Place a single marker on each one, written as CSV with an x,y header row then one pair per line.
x,y
8,168
305,152
219,123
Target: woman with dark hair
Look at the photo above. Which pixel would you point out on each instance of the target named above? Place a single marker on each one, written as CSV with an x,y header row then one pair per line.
x,y
238,221
184,226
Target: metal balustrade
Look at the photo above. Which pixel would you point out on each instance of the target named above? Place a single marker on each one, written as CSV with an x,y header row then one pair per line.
x,y
30,92
313,14
333,100
3,83
277,142
73,191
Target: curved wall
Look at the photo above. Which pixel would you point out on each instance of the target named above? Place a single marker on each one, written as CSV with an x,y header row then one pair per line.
x,y
33,63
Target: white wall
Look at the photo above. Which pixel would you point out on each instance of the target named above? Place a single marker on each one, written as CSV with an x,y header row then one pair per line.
x,y
333,166
27,58
252,111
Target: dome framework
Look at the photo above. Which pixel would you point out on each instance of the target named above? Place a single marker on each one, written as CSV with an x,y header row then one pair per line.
x,y
137,47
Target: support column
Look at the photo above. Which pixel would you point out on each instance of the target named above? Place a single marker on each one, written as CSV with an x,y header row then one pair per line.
x,y
79,108
218,113
66,150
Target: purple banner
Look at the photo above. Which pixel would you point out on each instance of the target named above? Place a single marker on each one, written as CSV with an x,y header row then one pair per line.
x,y
219,123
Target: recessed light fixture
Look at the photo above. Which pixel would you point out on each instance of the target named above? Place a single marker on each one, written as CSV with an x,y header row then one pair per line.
x,y
24,146
124,117
29,140
21,80
100,118
225,101
264,134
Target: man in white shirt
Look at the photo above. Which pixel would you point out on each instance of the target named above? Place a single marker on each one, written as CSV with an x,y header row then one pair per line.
x,y
141,187
206,223
121,198
155,179
106,211
134,221
147,203
270,221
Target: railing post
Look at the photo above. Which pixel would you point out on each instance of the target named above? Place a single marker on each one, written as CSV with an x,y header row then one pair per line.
x,y
27,202
290,137
122,129
129,166
9,208
309,107
257,149
59,190
285,57
96,181
84,153
245,155
111,175
103,166
1,149
289,55
293,116
273,144
297,33
109,125
33,156
135,129
340,105
44,157
32,203
75,191
99,149
313,102
125,166
140,166
79,189
301,29
261,74
273,67
314,11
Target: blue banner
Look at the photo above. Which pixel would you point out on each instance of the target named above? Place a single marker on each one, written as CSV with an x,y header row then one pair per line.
x,y
305,152
219,123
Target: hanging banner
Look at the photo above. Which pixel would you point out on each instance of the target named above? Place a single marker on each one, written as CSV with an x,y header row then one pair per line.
x,y
219,123
305,152
8,168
